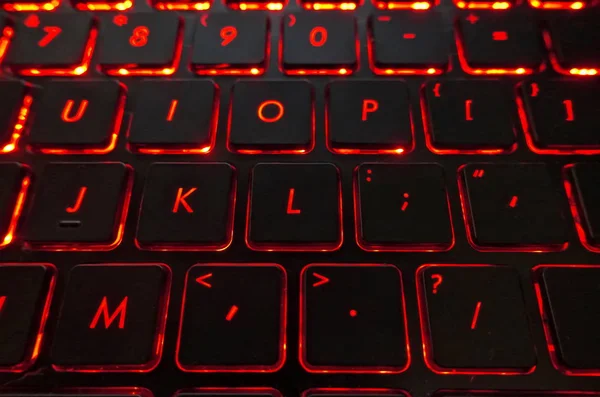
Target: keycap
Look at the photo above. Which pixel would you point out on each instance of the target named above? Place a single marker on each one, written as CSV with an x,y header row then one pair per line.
x,y
25,296
474,320
352,319
102,5
271,117
565,294
29,5
402,207
52,45
230,44
15,104
87,392
182,5
318,5
256,5
498,43
294,207
319,43
560,4
178,116
233,318
571,38
112,318
583,191
512,207
486,4
403,4
145,44
66,108
354,392
560,117
15,184
230,392
78,206
368,117
469,116
415,43
187,206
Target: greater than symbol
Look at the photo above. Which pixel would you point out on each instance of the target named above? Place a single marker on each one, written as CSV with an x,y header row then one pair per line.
x,y
322,280
234,309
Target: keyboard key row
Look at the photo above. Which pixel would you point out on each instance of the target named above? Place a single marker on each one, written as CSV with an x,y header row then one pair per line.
x,y
298,207
488,43
362,117
112,318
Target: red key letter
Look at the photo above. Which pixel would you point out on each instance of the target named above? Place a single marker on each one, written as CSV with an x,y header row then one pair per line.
x,y
318,36
369,106
67,118
290,204
51,33
181,199
121,312
75,207
277,117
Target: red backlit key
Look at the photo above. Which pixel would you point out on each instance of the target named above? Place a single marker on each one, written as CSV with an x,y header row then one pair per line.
x,y
294,207
52,44
319,43
571,39
560,117
402,207
14,112
102,5
368,117
566,295
231,392
182,5
29,5
352,319
230,44
473,320
139,44
583,189
271,117
475,116
513,207
25,296
78,206
187,206
407,44
112,318
498,43
15,184
64,109
233,318
319,5
173,116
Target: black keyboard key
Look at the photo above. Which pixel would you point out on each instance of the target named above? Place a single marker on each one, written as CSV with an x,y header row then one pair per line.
x,y
243,5
15,104
29,5
79,206
560,4
571,39
415,43
512,207
25,296
230,44
182,5
139,44
52,45
402,207
271,117
112,318
368,117
233,318
230,392
318,5
102,5
174,117
85,392
583,190
319,44
565,295
498,43
15,184
486,4
354,392
404,4
560,117
66,108
352,319
469,116
474,320
187,206
294,207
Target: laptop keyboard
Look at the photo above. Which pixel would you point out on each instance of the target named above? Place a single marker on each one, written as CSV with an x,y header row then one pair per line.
x,y
388,198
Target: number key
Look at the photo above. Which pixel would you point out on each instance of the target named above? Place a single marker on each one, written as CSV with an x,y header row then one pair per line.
x,y
50,44
230,44
561,117
139,44
319,43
